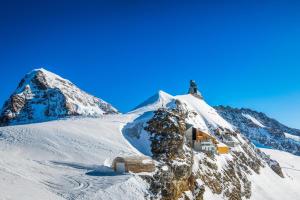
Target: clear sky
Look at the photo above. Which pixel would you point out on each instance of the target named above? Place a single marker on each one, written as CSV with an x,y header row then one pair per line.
x,y
240,53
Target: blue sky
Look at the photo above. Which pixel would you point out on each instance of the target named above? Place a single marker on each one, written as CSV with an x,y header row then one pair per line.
x,y
241,53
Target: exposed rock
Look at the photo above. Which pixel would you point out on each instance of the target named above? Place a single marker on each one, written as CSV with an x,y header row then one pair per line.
x,y
274,165
174,175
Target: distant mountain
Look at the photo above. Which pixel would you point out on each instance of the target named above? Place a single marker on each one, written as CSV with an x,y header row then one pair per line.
x,y
262,130
42,95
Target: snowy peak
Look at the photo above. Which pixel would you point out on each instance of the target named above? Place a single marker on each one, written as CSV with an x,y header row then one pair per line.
x,y
42,95
202,115
160,99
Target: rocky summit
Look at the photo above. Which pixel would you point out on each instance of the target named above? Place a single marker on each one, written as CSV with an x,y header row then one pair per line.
x,y
42,95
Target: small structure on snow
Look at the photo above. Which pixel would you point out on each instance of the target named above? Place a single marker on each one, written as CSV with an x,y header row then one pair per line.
x,y
135,164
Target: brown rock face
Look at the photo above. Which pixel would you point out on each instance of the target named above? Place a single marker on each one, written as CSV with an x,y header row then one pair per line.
x,y
17,103
174,175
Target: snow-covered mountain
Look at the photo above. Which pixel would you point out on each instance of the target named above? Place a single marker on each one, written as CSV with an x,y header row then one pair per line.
x,y
42,95
71,159
158,132
262,130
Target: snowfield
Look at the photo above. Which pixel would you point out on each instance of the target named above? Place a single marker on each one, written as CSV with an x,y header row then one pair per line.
x,y
66,159
270,187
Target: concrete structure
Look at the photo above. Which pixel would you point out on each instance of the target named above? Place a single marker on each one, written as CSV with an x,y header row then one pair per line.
x,y
205,146
135,164
194,89
201,141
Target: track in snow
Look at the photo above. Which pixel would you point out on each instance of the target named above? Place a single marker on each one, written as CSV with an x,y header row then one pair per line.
x,y
82,181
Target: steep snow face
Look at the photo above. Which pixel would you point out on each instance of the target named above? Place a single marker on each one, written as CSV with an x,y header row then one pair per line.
x,y
208,114
42,95
262,130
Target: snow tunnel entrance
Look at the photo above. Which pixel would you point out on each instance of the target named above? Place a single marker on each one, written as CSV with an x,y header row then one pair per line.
x,y
120,167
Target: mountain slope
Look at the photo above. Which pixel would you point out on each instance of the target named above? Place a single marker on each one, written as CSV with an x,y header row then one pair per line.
x,y
262,130
42,95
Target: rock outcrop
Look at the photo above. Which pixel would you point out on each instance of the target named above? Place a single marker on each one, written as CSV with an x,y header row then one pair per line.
x,y
174,174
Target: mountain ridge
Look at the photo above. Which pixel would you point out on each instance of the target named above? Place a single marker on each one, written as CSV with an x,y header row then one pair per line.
x,y
261,129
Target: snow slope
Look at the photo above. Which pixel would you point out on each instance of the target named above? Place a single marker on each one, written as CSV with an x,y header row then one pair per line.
x,y
208,114
66,159
269,187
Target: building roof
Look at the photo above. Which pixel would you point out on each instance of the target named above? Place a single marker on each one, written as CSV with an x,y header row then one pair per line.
x,y
134,159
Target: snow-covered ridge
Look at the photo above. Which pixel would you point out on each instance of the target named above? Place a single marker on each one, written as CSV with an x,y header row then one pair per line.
x,y
207,117
262,130
42,95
